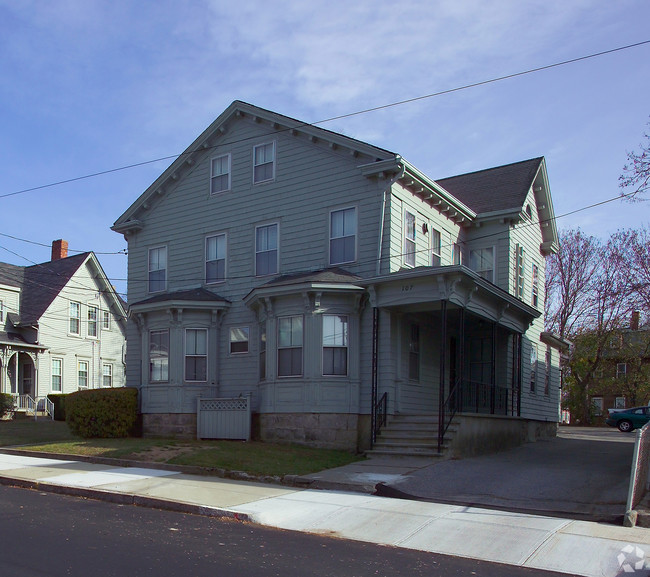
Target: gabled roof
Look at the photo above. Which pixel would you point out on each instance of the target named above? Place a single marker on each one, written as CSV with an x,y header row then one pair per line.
x,y
209,139
495,189
43,282
328,275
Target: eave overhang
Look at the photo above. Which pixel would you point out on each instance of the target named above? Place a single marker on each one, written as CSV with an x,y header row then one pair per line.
x,y
555,341
423,288
179,304
274,291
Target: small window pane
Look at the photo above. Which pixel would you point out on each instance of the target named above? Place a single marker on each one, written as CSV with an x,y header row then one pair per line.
x,y
239,340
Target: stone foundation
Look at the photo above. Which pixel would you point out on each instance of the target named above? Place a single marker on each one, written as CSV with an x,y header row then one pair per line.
x,y
180,425
484,434
322,430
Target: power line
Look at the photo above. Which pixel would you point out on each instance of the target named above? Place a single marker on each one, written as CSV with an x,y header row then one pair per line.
x,y
348,115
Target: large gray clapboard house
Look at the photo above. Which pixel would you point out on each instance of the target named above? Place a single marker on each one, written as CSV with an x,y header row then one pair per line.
x,y
62,327
336,284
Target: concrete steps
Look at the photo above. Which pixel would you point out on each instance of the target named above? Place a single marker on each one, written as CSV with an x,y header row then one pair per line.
x,y
411,436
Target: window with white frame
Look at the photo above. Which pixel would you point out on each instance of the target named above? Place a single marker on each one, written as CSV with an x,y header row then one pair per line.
x,y
75,318
239,337
436,257
220,174
547,371
2,312
92,321
414,353
481,261
82,374
157,269
409,238
533,367
57,374
107,375
106,320
335,345
159,356
621,370
215,258
196,355
262,351
343,235
290,346
266,249
619,403
534,286
519,271
458,254
263,162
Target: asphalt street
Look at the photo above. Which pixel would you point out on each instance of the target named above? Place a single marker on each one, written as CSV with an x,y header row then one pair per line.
x,y
583,473
44,534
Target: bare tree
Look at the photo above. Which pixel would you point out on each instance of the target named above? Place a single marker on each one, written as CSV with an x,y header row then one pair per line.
x,y
635,180
634,261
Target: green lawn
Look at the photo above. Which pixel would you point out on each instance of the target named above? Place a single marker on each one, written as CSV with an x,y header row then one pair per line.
x,y
251,457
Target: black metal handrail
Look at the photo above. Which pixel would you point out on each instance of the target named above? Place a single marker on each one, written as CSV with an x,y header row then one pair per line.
x,y
380,414
449,409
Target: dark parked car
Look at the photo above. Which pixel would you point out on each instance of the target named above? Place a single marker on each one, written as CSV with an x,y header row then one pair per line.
x,y
628,419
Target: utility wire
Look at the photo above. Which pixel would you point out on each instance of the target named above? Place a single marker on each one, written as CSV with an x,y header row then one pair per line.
x,y
348,115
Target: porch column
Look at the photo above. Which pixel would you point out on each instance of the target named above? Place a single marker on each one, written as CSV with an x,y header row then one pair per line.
x,y
461,359
493,370
441,386
374,381
519,370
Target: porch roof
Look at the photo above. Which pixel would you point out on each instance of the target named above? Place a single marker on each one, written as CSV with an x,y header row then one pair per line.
x,y
16,341
424,288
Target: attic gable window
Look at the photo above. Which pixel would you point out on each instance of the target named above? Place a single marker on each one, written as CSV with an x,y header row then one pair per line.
x,y
535,286
263,162
220,174
343,236
157,269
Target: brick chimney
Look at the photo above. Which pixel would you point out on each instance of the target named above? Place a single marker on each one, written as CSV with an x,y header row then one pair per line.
x,y
634,321
59,249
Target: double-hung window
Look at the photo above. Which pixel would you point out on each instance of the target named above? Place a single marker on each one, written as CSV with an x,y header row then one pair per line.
x,y
159,356
157,269
436,257
519,271
263,162
107,375
2,312
534,286
290,346
458,253
196,355
82,378
57,374
409,239
75,318
621,370
215,258
220,174
335,345
343,235
92,321
106,320
481,261
266,250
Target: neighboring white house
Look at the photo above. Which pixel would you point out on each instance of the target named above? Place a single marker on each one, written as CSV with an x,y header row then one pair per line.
x,y
332,281
62,327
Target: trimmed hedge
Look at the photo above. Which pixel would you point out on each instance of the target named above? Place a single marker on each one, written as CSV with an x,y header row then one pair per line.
x,y
104,413
6,404
59,405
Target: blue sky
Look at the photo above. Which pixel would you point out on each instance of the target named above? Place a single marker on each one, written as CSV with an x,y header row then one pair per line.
x,y
89,86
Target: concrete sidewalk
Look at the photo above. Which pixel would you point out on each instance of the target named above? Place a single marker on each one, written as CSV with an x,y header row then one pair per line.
x,y
575,547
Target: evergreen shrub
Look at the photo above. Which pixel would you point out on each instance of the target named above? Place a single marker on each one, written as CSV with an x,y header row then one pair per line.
x,y
59,405
6,404
103,413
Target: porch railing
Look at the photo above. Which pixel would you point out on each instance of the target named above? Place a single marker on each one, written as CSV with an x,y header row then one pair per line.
x,y
31,406
380,416
472,397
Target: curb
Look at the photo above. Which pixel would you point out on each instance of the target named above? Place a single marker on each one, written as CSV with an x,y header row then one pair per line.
x,y
125,499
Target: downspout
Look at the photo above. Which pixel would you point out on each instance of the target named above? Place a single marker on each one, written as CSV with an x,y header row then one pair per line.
x,y
387,191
